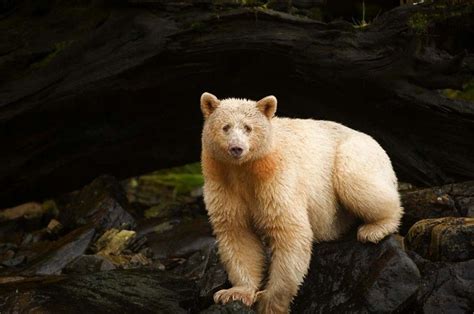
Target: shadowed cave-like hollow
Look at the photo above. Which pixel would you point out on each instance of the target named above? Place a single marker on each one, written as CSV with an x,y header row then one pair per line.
x,y
123,98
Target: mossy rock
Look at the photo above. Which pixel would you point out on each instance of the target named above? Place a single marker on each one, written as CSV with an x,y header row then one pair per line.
x,y
442,239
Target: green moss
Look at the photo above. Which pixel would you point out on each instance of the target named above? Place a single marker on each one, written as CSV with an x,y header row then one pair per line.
x,y
419,22
182,179
316,13
467,92
162,189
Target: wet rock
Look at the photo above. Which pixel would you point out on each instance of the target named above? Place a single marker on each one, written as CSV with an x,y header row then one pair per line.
x,y
54,256
139,260
27,210
114,246
176,238
214,277
442,239
7,255
232,307
86,264
54,227
445,287
452,200
349,276
5,247
14,261
140,245
204,267
306,4
279,5
118,291
102,204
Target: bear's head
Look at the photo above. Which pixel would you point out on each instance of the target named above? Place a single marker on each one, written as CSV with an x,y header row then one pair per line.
x,y
237,130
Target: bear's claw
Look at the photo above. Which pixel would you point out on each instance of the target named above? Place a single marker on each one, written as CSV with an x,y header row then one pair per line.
x,y
245,295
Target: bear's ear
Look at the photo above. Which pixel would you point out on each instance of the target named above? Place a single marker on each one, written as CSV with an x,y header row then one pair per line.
x,y
267,106
209,103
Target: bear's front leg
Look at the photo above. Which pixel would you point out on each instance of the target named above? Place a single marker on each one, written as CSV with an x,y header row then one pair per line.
x,y
240,250
241,253
291,245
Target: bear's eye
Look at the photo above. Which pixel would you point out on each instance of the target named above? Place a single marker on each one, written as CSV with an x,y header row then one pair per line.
x,y
248,128
226,127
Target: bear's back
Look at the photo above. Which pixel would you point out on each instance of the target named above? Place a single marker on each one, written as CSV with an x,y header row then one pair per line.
x,y
309,148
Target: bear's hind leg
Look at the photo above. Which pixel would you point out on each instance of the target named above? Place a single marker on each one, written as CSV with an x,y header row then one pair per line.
x,y
377,230
366,185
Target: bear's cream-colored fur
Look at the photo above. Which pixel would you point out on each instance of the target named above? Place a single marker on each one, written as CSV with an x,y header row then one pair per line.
x,y
287,182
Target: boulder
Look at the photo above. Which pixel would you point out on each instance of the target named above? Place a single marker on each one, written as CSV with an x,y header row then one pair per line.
x,y
86,264
451,200
116,291
349,276
54,256
235,307
176,237
206,270
101,204
442,239
444,287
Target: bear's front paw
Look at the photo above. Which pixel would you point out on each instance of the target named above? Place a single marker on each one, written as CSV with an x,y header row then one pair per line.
x,y
246,295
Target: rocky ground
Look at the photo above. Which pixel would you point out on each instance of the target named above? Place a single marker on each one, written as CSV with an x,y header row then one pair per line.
x,y
141,246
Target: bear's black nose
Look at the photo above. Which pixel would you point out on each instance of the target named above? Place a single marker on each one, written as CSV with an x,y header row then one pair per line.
x,y
236,151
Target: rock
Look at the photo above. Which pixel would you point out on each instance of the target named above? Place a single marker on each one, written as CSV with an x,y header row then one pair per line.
x,y
442,239
214,277
117,291
114,242
54,227
452,200
307,4
86,264
114,246
177,237
102,204
14,261
204,267
7,246
349,276
445,287
279,5
27,210
6,256
57,254
139,260
232,307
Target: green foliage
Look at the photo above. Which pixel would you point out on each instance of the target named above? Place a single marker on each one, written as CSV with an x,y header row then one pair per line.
x,y
467,92
419,22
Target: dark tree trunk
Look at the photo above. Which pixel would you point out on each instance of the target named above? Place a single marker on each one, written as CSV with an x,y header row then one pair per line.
x,y
99,89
